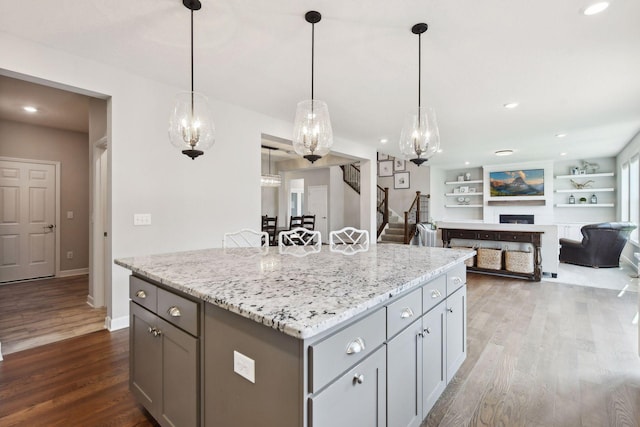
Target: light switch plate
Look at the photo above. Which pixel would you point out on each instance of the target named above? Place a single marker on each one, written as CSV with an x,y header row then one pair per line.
x,y
141,219
244,366
69,214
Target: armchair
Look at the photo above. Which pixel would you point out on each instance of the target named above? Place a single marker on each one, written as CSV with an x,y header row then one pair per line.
x,y
600,247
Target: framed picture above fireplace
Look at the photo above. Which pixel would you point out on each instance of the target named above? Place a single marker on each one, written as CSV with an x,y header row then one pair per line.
x,y
517,184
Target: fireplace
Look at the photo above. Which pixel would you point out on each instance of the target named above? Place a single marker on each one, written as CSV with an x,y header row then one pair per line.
x,y
516,219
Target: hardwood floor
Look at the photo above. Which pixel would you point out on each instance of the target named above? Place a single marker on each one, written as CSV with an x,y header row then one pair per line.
x,y
539,354
44,311
545,354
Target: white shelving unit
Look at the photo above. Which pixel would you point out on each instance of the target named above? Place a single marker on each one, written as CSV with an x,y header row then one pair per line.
x,y
464,194
583,177
477,181
463,206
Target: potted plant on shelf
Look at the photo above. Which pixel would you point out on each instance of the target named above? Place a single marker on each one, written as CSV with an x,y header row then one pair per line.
x,y
583,200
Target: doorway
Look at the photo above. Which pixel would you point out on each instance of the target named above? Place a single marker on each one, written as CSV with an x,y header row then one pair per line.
x,y
317,201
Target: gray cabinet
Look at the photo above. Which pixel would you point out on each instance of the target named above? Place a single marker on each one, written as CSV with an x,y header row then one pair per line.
x,y
164,359
456,331
356,399
424,356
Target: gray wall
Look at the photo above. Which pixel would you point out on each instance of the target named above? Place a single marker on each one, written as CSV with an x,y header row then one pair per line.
x,y
400,199
71,149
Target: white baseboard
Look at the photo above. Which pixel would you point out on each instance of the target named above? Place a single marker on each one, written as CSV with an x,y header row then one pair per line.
x,y
1,352
76,272
115,324
90,301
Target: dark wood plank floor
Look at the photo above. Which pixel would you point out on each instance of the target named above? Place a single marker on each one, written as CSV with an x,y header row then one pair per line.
x,y
539,354
44,311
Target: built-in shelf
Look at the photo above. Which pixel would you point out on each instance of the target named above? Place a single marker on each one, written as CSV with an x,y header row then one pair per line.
x,y
588,175
462,206
463,194
477,181
585,205
586,190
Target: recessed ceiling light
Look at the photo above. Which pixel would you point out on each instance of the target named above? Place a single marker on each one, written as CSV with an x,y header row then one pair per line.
x,y
466,163
563,154
560,135
503,152
596,8
511,105
439,150
383,140
30,109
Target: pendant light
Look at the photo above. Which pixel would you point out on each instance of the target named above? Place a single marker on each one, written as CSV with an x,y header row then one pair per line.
x,y
191,127
419,139
270,180
312,133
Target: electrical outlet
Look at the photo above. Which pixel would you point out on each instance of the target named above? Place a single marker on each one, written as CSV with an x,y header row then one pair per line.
x,y
244,366
69,254
141,219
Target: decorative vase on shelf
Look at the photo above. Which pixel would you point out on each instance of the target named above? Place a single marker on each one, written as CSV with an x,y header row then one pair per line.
x,y
572,200
594,199
467,176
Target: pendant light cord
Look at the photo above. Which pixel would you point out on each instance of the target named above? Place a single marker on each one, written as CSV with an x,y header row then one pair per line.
x,y
419,79
313,28
192,58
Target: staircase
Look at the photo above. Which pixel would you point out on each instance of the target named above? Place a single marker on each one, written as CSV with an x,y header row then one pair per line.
x,y
394,233
351,177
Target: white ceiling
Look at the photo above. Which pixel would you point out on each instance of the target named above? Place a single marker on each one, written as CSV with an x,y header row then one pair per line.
x,y
570,73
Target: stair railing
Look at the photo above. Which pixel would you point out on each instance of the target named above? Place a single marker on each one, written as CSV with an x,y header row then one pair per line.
x,y
418,212
382,210
351,176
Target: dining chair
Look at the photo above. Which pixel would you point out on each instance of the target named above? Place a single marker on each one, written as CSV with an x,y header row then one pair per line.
x,y
349,240
245,238
269,225
295,221
299,236
309,222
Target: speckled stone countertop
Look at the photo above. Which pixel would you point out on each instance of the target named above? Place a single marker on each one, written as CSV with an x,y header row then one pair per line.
x,y
299,296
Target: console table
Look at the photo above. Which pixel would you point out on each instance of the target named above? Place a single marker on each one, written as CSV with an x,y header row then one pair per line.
x,y
531,237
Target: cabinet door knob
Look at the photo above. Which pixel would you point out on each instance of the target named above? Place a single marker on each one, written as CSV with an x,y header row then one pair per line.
x,y
427,330
150,329
174,311
141,294
356,346
435,294
157,332
358,378
450,310
406,313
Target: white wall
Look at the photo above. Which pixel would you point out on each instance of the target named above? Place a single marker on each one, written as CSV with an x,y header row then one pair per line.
x,y
630,150
400,200
192,202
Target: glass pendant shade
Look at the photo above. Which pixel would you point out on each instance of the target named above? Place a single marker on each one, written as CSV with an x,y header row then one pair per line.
x,y
269,180
420,139
191,127
312,133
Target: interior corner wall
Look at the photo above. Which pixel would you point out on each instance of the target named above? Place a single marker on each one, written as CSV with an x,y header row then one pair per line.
x,y
338,209
630,150
71,149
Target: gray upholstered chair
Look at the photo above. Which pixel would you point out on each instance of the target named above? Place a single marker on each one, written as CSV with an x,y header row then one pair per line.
x,y
600,247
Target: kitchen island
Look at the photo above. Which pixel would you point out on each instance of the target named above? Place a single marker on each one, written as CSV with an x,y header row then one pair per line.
x,y
253,337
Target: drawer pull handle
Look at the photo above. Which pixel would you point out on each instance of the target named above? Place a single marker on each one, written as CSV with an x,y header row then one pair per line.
x,y
154,331
141,294
406,313
174,311
456,280
435,294
358,378
356,346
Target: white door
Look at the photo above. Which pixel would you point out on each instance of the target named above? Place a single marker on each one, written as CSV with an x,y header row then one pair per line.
x,y
27,220
317,200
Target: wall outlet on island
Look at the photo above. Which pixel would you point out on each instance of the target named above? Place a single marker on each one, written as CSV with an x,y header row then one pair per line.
x,y
244,366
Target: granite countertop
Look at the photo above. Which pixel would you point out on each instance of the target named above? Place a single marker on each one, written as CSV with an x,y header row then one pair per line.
x,y
298,295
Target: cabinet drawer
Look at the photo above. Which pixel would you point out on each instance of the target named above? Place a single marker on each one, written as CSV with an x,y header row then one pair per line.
x,y
143,293
178,310
487,235
357,398
336,353
461,234
434,292
456,277
403,312
515,237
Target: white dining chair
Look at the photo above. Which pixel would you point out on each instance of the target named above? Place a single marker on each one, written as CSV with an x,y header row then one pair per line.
x,y
299,241
349,240
245,238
